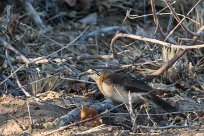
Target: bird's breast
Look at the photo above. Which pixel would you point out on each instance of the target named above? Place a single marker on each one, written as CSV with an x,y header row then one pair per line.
x,y
115,92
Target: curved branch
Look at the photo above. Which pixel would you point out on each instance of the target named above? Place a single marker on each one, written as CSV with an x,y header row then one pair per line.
x,y
155,41
182,50
169,63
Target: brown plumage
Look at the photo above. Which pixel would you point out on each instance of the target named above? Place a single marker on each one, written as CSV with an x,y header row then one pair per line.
x,y
117,87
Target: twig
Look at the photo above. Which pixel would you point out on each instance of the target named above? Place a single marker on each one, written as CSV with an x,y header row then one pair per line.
x,y
131,112
29,115
10,47
159,114
169,63
8,81
159,13
179,20
156,20
141,38
94,130
105,30
71,79
16,77
45,59
27,61
47,37
165,127
7,78
33,13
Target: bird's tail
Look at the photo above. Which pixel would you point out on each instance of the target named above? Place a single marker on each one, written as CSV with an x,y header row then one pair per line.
x,y
161,103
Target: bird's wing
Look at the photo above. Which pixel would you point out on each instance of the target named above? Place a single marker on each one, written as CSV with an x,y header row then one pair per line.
x,y
136,85
150,95
131,84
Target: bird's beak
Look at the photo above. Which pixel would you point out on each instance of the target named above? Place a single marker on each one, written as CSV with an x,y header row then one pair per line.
x,y
84,74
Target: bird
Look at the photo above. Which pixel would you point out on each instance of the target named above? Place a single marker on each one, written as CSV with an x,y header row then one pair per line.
x,y
119,87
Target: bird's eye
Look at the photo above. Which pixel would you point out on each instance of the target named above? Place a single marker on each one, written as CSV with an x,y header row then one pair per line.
x,y
93,71
98,73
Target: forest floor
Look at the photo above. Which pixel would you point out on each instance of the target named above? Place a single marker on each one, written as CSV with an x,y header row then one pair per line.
x,y
42,56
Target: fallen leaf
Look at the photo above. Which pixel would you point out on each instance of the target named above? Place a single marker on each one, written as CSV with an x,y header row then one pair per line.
x,y
84,112
12,24
86,4
77,86
71,2
90,112
91,19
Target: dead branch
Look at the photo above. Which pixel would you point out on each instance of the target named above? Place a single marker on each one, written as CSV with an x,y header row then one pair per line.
x,y
75,113
104,107
8,81
156,21
45,59
16,77
159,13
169,63
10,47
167,127
105,30
32,13
155,41
179,20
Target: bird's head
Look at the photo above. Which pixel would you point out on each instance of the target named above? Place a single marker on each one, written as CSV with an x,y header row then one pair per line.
x,y
95,75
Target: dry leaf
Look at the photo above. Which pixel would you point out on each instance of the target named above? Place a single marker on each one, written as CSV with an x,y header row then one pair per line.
x,y
91,19
77,86
13,21
85,3
71,2
84,112
90,112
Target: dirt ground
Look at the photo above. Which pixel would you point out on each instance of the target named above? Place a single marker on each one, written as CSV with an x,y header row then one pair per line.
x,y
15,120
